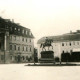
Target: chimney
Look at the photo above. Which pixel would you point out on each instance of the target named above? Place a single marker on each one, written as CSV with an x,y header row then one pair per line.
x,y
13,20
70,31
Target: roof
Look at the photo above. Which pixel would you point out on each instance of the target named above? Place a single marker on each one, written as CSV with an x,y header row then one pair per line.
x,y
4,23
74,36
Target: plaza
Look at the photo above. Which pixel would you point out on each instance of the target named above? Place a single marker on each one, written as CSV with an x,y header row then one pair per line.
x,y
22,72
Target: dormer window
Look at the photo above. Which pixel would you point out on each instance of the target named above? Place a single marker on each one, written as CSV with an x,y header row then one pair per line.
x,y
29,33
18,29
26,32
23,31
15,28
11,28
6,27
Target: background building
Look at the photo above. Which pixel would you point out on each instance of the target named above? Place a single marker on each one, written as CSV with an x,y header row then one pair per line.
x,y
66,47
16,42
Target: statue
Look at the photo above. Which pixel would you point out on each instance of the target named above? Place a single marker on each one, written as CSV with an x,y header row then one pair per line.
x,y
47,43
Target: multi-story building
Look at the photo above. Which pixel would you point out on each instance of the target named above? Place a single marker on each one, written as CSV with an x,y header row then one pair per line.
x,y
63,44
16,42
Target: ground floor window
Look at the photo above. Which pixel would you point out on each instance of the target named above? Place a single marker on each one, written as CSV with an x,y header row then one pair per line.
x,y
11,57
23,57
15,57
2,57
26,57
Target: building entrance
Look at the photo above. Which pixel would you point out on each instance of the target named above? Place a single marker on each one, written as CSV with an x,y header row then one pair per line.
x,y
19,58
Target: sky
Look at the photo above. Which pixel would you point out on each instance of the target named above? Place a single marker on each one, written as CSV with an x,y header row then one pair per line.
x,y
43,17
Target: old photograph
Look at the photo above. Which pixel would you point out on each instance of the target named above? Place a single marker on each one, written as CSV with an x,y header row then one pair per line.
x,y
39,39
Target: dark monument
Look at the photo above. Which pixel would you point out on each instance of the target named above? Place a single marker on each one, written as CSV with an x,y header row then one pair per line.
x,y
47,56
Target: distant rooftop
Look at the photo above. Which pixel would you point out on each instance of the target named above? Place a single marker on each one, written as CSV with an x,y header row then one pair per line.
x,y
72,36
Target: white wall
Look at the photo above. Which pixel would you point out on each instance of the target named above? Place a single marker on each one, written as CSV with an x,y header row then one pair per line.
x,y
58,48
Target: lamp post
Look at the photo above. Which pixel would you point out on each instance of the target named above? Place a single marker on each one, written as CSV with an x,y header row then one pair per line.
x,y
6,33
4,45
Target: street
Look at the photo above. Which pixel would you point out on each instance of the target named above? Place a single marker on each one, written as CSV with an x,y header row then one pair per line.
x,y
22,72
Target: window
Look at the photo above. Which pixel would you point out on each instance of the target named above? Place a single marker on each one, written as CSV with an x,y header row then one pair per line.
x,y
11,57
73,43
18,29
15,28
19,48
26,49
23,48
10,28
10,37
29,33
62,51
10,47
62,44
14,47
70,51
30,48
30,40
26,32
2,57
18,38
23,57
22,39
15,57
14,37
77,43
0,45
26,40
23,31
26,57
70,43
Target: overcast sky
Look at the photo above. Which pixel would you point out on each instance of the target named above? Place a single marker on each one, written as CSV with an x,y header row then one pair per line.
x,y
43,17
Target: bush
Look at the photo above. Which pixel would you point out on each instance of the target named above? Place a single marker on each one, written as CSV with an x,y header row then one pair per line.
x,y
65,57
56,59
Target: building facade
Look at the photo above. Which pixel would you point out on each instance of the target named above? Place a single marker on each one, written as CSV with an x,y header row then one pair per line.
x,y
62,45
16,42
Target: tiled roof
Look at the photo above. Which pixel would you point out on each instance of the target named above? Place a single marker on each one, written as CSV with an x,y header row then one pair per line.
x,y
74,36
